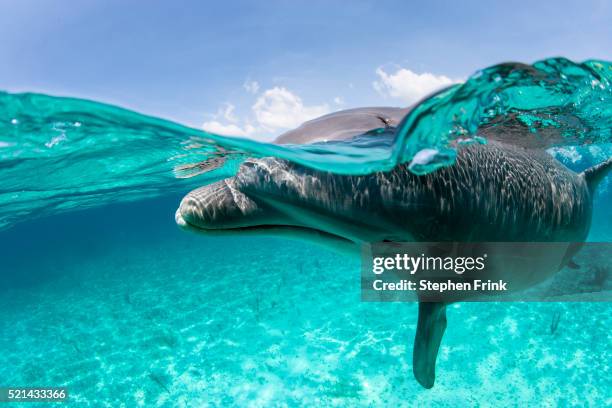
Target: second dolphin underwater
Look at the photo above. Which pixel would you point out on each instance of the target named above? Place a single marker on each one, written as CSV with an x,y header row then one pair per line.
x,y
501,191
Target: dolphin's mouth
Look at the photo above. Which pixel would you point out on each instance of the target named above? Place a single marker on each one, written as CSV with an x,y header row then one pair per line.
x,y
336,243
264,229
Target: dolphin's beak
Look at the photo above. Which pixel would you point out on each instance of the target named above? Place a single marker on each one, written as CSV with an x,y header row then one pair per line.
x,y
218,206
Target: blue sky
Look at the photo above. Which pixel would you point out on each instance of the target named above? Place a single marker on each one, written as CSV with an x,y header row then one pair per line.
x,y
258,67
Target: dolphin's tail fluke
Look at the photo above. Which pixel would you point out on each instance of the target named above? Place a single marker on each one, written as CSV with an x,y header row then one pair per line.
x,y
430,329
593,175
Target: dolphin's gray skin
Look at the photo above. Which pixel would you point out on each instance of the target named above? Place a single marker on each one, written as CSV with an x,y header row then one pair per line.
x,y
343,125
494,192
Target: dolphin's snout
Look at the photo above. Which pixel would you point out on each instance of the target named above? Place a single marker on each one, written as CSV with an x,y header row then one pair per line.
x,y
215,206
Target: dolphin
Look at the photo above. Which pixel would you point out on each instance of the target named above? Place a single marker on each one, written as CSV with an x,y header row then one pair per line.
x,y
505,190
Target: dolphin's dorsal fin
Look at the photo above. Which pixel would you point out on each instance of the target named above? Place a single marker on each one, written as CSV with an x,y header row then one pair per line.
x,y
593,175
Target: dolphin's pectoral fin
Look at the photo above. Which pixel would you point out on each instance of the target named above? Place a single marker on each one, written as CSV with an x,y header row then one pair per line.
x,y
573,265
430,329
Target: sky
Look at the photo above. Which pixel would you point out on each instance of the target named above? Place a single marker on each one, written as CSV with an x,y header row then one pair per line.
x,y
258,68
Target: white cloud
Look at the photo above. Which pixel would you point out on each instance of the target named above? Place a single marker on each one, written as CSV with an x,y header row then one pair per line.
x,y
228,113
407,85
251,86
230,129
278,108
274,111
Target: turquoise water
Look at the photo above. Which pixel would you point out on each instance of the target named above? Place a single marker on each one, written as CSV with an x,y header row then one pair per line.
x,y
112,302
103,294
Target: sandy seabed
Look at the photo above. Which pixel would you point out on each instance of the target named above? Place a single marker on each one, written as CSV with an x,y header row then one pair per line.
x,y
185,320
